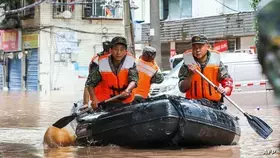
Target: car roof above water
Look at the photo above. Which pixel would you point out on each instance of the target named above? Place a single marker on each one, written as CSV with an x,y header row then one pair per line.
x,y
229,57
226,58
238,57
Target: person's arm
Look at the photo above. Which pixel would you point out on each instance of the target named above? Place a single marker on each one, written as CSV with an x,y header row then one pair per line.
x,y
185,78
133,77
131,86
95,101
85,96
132,80
225,79
157,77
92,64
93,80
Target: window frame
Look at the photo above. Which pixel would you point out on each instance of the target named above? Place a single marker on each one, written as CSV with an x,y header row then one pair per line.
x,y
236,7
27,13
233,40
93,7
58,14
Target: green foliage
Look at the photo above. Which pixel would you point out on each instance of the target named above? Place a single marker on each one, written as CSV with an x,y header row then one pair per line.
x,y
254,4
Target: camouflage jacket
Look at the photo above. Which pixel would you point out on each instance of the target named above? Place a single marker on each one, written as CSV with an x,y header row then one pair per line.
x,y
92,63
157,78
95,77
223,72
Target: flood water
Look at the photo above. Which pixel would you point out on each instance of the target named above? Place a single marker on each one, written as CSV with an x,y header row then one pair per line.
x,y
24,118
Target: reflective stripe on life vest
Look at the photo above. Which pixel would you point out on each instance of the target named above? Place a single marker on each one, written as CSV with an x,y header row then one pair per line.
x,y
199,87
113,84
98,89
146,70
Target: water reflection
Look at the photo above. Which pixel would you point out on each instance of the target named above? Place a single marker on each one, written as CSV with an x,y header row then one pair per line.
x,y
26,116
12,150
118,152
16,109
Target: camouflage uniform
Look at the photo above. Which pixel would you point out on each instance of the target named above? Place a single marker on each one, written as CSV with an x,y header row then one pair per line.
x,y
151,53
94,76
92,63
157,78
223,74
184,71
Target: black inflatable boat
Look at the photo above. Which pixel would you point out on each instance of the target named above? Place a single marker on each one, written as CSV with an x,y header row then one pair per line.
x,y
157,122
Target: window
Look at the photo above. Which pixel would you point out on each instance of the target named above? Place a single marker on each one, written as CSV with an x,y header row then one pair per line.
x,y
231,6
186,6
176,61
178,9
231,45
102,9
174,9
27,13
63,11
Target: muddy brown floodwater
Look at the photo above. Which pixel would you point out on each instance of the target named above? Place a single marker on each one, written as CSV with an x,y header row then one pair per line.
x,y
24,118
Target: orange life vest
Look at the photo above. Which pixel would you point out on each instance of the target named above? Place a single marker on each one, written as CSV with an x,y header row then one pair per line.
x,y
111,83
95,58
98,89
146,71
199,87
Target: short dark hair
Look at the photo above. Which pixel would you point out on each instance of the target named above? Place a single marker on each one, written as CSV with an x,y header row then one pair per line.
x,y
106,46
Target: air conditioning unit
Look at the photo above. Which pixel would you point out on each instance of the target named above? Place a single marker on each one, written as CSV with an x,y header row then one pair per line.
x,y
67,14
57,57
74,57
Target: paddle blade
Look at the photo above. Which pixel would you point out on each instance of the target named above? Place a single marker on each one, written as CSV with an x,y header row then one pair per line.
x,y
64,121
259,126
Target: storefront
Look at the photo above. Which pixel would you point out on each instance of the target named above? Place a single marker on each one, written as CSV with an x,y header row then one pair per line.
x,y
30,44
1,77
11,69
19,66
14,72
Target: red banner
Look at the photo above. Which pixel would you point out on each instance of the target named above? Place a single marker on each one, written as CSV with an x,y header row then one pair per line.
x,y
254,49
221,46
10,40
172,53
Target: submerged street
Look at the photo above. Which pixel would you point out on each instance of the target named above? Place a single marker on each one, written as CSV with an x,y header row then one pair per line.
x,y
26,116
54,53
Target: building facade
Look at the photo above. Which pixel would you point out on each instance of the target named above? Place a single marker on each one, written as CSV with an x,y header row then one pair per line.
x,y
56,43
227,23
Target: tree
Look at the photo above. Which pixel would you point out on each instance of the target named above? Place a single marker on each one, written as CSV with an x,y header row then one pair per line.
x,y
254,5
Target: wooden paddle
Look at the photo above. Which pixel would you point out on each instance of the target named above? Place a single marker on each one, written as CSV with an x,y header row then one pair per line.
x,y
259,126
67,119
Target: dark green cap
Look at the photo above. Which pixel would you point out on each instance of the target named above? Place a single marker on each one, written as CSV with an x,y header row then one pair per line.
x,y
199,39
118,40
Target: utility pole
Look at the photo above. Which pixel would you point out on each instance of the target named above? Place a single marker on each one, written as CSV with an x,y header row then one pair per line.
x,y
155,29
128,26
